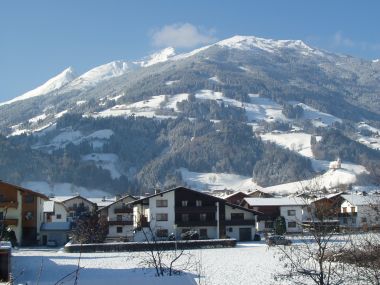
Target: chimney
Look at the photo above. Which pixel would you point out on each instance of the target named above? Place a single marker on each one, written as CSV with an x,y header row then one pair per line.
x,y
157,191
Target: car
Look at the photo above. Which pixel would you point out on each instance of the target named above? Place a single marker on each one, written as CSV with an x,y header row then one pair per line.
x,y
278,240
190,235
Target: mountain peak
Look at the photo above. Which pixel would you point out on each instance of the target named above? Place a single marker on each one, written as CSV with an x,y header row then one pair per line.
x,y
52,84
269,45
157,57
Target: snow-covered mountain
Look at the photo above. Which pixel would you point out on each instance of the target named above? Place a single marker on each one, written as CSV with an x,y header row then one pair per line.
x,y
53,84
285,92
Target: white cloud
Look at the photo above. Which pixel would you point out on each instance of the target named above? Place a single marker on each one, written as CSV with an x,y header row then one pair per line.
x,y
339,40
182,36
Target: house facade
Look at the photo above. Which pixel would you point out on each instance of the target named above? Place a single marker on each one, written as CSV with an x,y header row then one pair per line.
x,y
119,215
293,209
76,206
21,212
360,212
180,210
56,227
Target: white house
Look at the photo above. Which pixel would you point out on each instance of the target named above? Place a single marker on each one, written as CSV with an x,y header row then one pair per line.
x,y
55,228
358,211
181,210
293,209
75,205
119,215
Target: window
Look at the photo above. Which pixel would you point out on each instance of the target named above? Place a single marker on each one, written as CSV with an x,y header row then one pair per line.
x,y
162,233
161,203
119,230
184,203
59,216
2,198
344,209
75,205
292,224
203,217
28,216
230,230
353,221
237,216
198,203
352,209
203,233
119,218
344,220
268,225
291,212
185,217
29,199
1,216
161,217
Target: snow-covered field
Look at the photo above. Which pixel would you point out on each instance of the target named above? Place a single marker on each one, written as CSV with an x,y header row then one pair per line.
x,y
248,263
217,181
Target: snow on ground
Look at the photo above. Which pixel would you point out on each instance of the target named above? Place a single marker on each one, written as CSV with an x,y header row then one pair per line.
x,y
106,161
215,79
171,82
62,189
97,139
173,100
298,142
217,181
37,118
247,263
319,119
330,179
372,141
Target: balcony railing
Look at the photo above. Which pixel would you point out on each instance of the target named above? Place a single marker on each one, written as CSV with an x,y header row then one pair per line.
x,y
10,222
207,223
123,210
120,223
8,204
251,222
194,209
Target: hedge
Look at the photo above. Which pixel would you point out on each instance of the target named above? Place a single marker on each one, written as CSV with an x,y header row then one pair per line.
x,y
144,246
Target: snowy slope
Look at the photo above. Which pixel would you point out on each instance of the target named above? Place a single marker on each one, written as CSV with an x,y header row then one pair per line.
x,y
52,84
217,181
99,74
158,57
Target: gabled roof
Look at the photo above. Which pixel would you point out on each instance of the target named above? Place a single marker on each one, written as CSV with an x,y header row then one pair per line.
x,y
234,194
359,200
103,202
283,201
118,200
64,199
217,199
31,192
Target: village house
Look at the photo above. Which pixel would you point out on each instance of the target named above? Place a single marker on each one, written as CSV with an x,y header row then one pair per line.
x,y
293,209
119,215
360,212
21,212
181,210
56,226
76,206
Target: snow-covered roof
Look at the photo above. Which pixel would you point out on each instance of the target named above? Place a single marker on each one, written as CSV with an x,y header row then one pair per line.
x,y
62,198
359,200
56,226
48,206
283,201
103,202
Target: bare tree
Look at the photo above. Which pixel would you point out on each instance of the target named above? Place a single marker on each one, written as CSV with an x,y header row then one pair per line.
x,y
312,259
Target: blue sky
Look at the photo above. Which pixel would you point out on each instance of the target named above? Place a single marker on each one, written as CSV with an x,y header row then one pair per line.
x,y
39,39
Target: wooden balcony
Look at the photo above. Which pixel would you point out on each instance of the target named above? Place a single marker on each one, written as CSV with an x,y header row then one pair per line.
x,y
120,223
207,223
123,210
9,204
251,222
11,222
202,209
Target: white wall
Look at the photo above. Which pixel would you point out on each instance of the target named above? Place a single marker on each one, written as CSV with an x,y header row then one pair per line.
x,y
59,209
297,218
169,224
